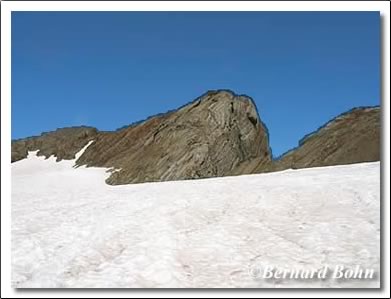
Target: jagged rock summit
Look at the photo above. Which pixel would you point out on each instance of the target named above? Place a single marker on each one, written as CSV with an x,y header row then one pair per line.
x,y
218,134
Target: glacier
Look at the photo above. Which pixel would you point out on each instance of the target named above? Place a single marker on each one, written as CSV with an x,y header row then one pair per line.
x,y
72,230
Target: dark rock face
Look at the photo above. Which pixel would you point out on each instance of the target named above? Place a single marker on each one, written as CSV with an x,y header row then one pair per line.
x,y
218,134
351,137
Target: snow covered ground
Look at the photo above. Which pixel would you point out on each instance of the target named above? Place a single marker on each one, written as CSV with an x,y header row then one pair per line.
x,y
70,229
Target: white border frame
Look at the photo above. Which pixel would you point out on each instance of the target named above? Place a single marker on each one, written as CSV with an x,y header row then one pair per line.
x,y
8,7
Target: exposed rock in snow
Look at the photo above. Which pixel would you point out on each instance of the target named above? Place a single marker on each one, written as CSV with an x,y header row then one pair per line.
x,y
218,134
212,136
352,137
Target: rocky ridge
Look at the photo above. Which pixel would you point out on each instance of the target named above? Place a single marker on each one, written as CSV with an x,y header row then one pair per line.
x,y
352,137
212,136
218,134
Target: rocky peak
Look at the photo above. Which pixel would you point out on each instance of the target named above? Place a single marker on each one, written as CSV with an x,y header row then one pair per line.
x,y
211,136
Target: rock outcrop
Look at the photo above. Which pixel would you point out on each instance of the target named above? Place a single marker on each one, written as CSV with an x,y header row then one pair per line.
x,y
218,134
63,143
351,137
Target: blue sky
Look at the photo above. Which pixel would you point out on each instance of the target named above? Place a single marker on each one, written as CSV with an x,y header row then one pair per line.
x,y
109,69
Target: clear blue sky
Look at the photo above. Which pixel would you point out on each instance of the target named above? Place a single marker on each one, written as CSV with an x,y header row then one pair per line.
x,y
109,69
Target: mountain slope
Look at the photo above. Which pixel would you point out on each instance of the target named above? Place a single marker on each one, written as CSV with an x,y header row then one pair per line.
x,y
351,137
63,143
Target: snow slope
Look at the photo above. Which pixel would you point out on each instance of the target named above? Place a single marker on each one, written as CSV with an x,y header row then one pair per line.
x,y
70,229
